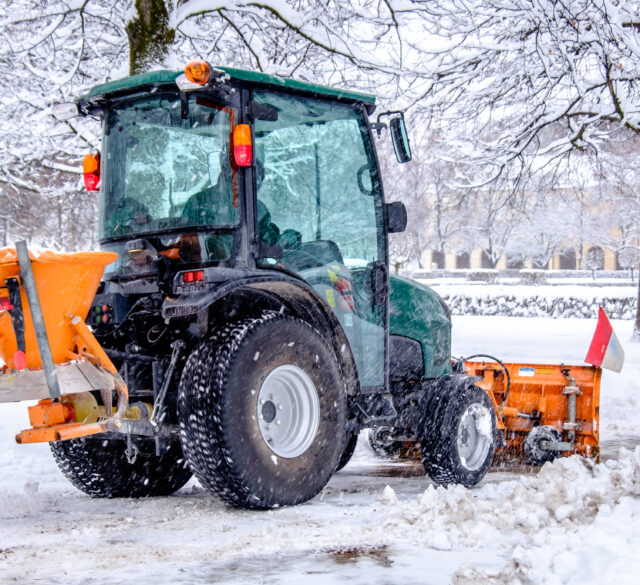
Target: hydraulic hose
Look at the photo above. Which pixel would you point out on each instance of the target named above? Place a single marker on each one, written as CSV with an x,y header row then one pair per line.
x,y
506,371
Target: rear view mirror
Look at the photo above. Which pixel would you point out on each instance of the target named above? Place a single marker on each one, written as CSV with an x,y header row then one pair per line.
x,y
400,139
396,217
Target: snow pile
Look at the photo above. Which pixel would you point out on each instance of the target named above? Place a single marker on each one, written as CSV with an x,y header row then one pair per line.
x,y
573,522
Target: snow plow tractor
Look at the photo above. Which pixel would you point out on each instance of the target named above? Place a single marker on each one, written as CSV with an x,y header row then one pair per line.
x,y
246,327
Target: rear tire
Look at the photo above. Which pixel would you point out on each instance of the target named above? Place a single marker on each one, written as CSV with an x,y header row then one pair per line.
x,y
533,451
347,454
262,411
459,432
100,469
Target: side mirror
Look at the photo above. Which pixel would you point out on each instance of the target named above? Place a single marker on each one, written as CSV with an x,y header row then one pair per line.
x,y
396,217
400,139
64,111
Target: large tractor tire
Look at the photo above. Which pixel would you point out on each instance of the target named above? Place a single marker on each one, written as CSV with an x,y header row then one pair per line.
x,y
458,433
100,468
350,447
262,411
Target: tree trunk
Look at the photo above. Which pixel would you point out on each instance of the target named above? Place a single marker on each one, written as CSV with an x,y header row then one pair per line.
x,y
150,37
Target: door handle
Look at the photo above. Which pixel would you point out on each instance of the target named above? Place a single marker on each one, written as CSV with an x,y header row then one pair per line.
x,y
379,283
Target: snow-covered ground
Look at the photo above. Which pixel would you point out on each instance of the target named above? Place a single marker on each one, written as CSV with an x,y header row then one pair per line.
x,y
376,522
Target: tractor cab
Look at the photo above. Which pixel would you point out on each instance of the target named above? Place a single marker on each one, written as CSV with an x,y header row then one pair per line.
x,y
262,177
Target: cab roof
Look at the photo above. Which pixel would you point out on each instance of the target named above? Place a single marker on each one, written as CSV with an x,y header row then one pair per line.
x,y
166,77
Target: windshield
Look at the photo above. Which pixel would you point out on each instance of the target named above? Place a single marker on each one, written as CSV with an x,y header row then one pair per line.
x,y
162,171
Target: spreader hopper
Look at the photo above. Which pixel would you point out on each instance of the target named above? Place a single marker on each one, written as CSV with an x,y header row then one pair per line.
x,y
47,349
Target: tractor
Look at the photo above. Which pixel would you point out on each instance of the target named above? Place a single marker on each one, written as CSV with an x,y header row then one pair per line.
x,y
248,326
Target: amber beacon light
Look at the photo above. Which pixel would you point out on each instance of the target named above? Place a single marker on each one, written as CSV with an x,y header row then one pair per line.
x,y
198,72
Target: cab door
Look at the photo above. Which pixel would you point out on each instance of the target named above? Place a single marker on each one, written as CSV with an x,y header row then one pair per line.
x,y
319,198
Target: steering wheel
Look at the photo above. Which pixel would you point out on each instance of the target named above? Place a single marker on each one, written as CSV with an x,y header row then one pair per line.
x,y
129,213
359,177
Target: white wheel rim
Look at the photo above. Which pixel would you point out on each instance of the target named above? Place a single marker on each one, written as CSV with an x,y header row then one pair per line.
x,y
475,436
288,411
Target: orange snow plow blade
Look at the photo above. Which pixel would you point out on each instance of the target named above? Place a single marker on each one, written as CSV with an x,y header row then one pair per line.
x,y
557,405
542,395
49,354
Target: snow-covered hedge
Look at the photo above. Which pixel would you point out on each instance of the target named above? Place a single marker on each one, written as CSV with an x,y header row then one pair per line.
x,y
511,305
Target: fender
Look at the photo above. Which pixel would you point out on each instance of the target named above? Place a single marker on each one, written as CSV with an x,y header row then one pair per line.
x,y
273,288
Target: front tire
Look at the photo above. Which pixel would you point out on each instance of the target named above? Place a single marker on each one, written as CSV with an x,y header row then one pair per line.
x,y
262,411
100,468
458,433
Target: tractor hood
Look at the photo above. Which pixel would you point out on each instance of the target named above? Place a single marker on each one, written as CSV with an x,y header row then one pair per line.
x,y
417,312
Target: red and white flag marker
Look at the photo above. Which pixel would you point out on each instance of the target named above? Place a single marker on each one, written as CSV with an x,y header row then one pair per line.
x,y
605,350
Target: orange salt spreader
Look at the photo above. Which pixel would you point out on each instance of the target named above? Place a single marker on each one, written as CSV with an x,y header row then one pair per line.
x,y
52,356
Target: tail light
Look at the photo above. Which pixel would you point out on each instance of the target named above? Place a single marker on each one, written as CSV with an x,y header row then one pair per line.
x,y
5,304
193,276
242,147
91,171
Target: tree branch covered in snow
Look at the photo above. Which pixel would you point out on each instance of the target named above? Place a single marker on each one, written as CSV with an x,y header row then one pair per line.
x,y
526,81
509,89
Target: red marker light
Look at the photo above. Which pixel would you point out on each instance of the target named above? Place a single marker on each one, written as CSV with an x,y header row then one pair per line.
x,y
91,171
195,276
242,148
5,304
19,360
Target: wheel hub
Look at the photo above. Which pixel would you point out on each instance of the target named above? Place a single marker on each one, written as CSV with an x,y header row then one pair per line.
x,y
288,410
269,411
474,438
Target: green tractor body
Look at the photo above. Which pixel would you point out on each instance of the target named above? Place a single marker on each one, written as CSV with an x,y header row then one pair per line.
x,y
251,303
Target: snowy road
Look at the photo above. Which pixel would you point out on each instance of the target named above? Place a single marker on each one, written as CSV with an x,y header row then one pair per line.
x,y
570,523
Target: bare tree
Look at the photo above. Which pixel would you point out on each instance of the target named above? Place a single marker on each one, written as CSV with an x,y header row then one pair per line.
x,y
436,207
532,79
